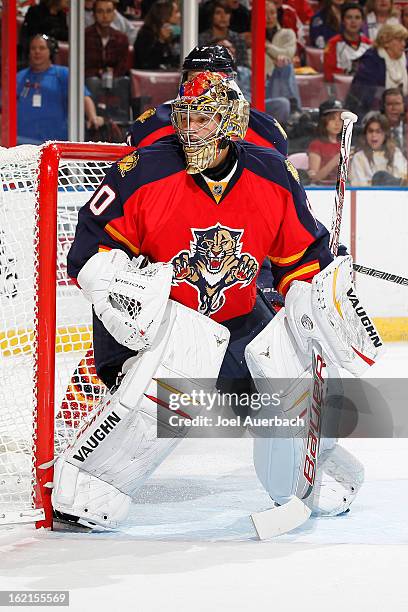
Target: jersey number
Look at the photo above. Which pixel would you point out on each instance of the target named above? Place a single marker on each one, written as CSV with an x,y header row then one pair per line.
x,y
101,200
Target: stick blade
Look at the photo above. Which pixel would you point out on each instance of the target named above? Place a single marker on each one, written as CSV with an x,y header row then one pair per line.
x,y
276,521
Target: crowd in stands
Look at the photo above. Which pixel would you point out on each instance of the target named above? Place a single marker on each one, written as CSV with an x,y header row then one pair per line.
x,y
321,57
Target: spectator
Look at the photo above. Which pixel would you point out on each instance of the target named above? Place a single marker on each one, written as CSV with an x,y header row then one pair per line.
x,y
132,9
220,17
240,16
157,45
343,50
288,18
120,23
280,51
106,49
89,13
42,96
380,68
324,152
404,22
278,107
378,13
377,160
303,10
394,109
325,23
280,42
48,17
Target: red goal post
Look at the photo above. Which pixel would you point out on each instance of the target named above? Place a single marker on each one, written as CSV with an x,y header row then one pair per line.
x,y
49,183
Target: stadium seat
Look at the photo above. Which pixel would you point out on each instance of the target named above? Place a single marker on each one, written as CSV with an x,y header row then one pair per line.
x,y
299,160
342,84
150,88
314,58
62,55
312,89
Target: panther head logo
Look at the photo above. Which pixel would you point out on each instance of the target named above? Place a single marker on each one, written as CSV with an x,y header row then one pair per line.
x,y
214,263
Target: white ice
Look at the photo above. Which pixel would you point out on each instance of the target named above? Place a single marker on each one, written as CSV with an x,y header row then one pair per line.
x,y
189,544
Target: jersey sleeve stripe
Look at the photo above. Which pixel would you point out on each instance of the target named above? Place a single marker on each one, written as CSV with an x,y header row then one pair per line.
x,y
113,233
286,261
302,273
104,249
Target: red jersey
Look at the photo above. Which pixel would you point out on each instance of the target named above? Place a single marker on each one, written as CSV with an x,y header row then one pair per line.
x,y
148,204
326,150
340,55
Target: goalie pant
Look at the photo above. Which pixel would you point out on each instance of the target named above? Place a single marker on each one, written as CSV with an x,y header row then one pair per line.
x,y
113,455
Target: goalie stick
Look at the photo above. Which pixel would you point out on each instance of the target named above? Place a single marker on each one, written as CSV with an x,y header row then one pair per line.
x,y
296,511
392,278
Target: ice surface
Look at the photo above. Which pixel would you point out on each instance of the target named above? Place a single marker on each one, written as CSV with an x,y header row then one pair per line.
x,y
189,544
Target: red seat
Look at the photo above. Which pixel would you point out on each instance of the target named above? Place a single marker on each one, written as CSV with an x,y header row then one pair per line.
x,y
312,89
342,84
62,55
314,58
151,88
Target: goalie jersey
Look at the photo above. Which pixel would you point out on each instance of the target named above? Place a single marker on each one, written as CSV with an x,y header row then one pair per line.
x,y
155,124
216,237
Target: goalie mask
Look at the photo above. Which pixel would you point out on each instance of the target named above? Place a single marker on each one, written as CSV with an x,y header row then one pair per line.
x,y
209,112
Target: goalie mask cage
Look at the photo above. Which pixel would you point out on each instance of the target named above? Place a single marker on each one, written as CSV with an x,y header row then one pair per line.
x,y
48,385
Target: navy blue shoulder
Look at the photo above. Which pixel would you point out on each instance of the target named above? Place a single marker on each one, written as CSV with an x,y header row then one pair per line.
x,y
147,165
268,129
149,122
267,163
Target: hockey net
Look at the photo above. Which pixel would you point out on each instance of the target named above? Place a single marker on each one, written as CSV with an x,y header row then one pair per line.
x,y
48,383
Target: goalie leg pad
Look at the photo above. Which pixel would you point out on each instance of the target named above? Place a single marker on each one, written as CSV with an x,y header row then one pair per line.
x,y
278,366
120,446
80,494
340,476
274,357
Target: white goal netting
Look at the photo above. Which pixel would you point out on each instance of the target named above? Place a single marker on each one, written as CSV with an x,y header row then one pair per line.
x,y
77,388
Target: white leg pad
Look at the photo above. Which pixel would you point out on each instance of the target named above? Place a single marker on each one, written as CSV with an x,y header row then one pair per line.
x,y
92,499
340,476
275,361
119,448
272,358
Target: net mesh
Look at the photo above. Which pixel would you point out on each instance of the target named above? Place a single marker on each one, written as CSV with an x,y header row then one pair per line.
x,y
77,387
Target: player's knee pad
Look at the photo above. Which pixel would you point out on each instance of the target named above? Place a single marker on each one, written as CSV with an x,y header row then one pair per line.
x,y
120,447
340,476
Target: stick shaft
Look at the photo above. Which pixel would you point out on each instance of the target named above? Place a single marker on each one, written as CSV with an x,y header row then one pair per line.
x,y
348,121
392,278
